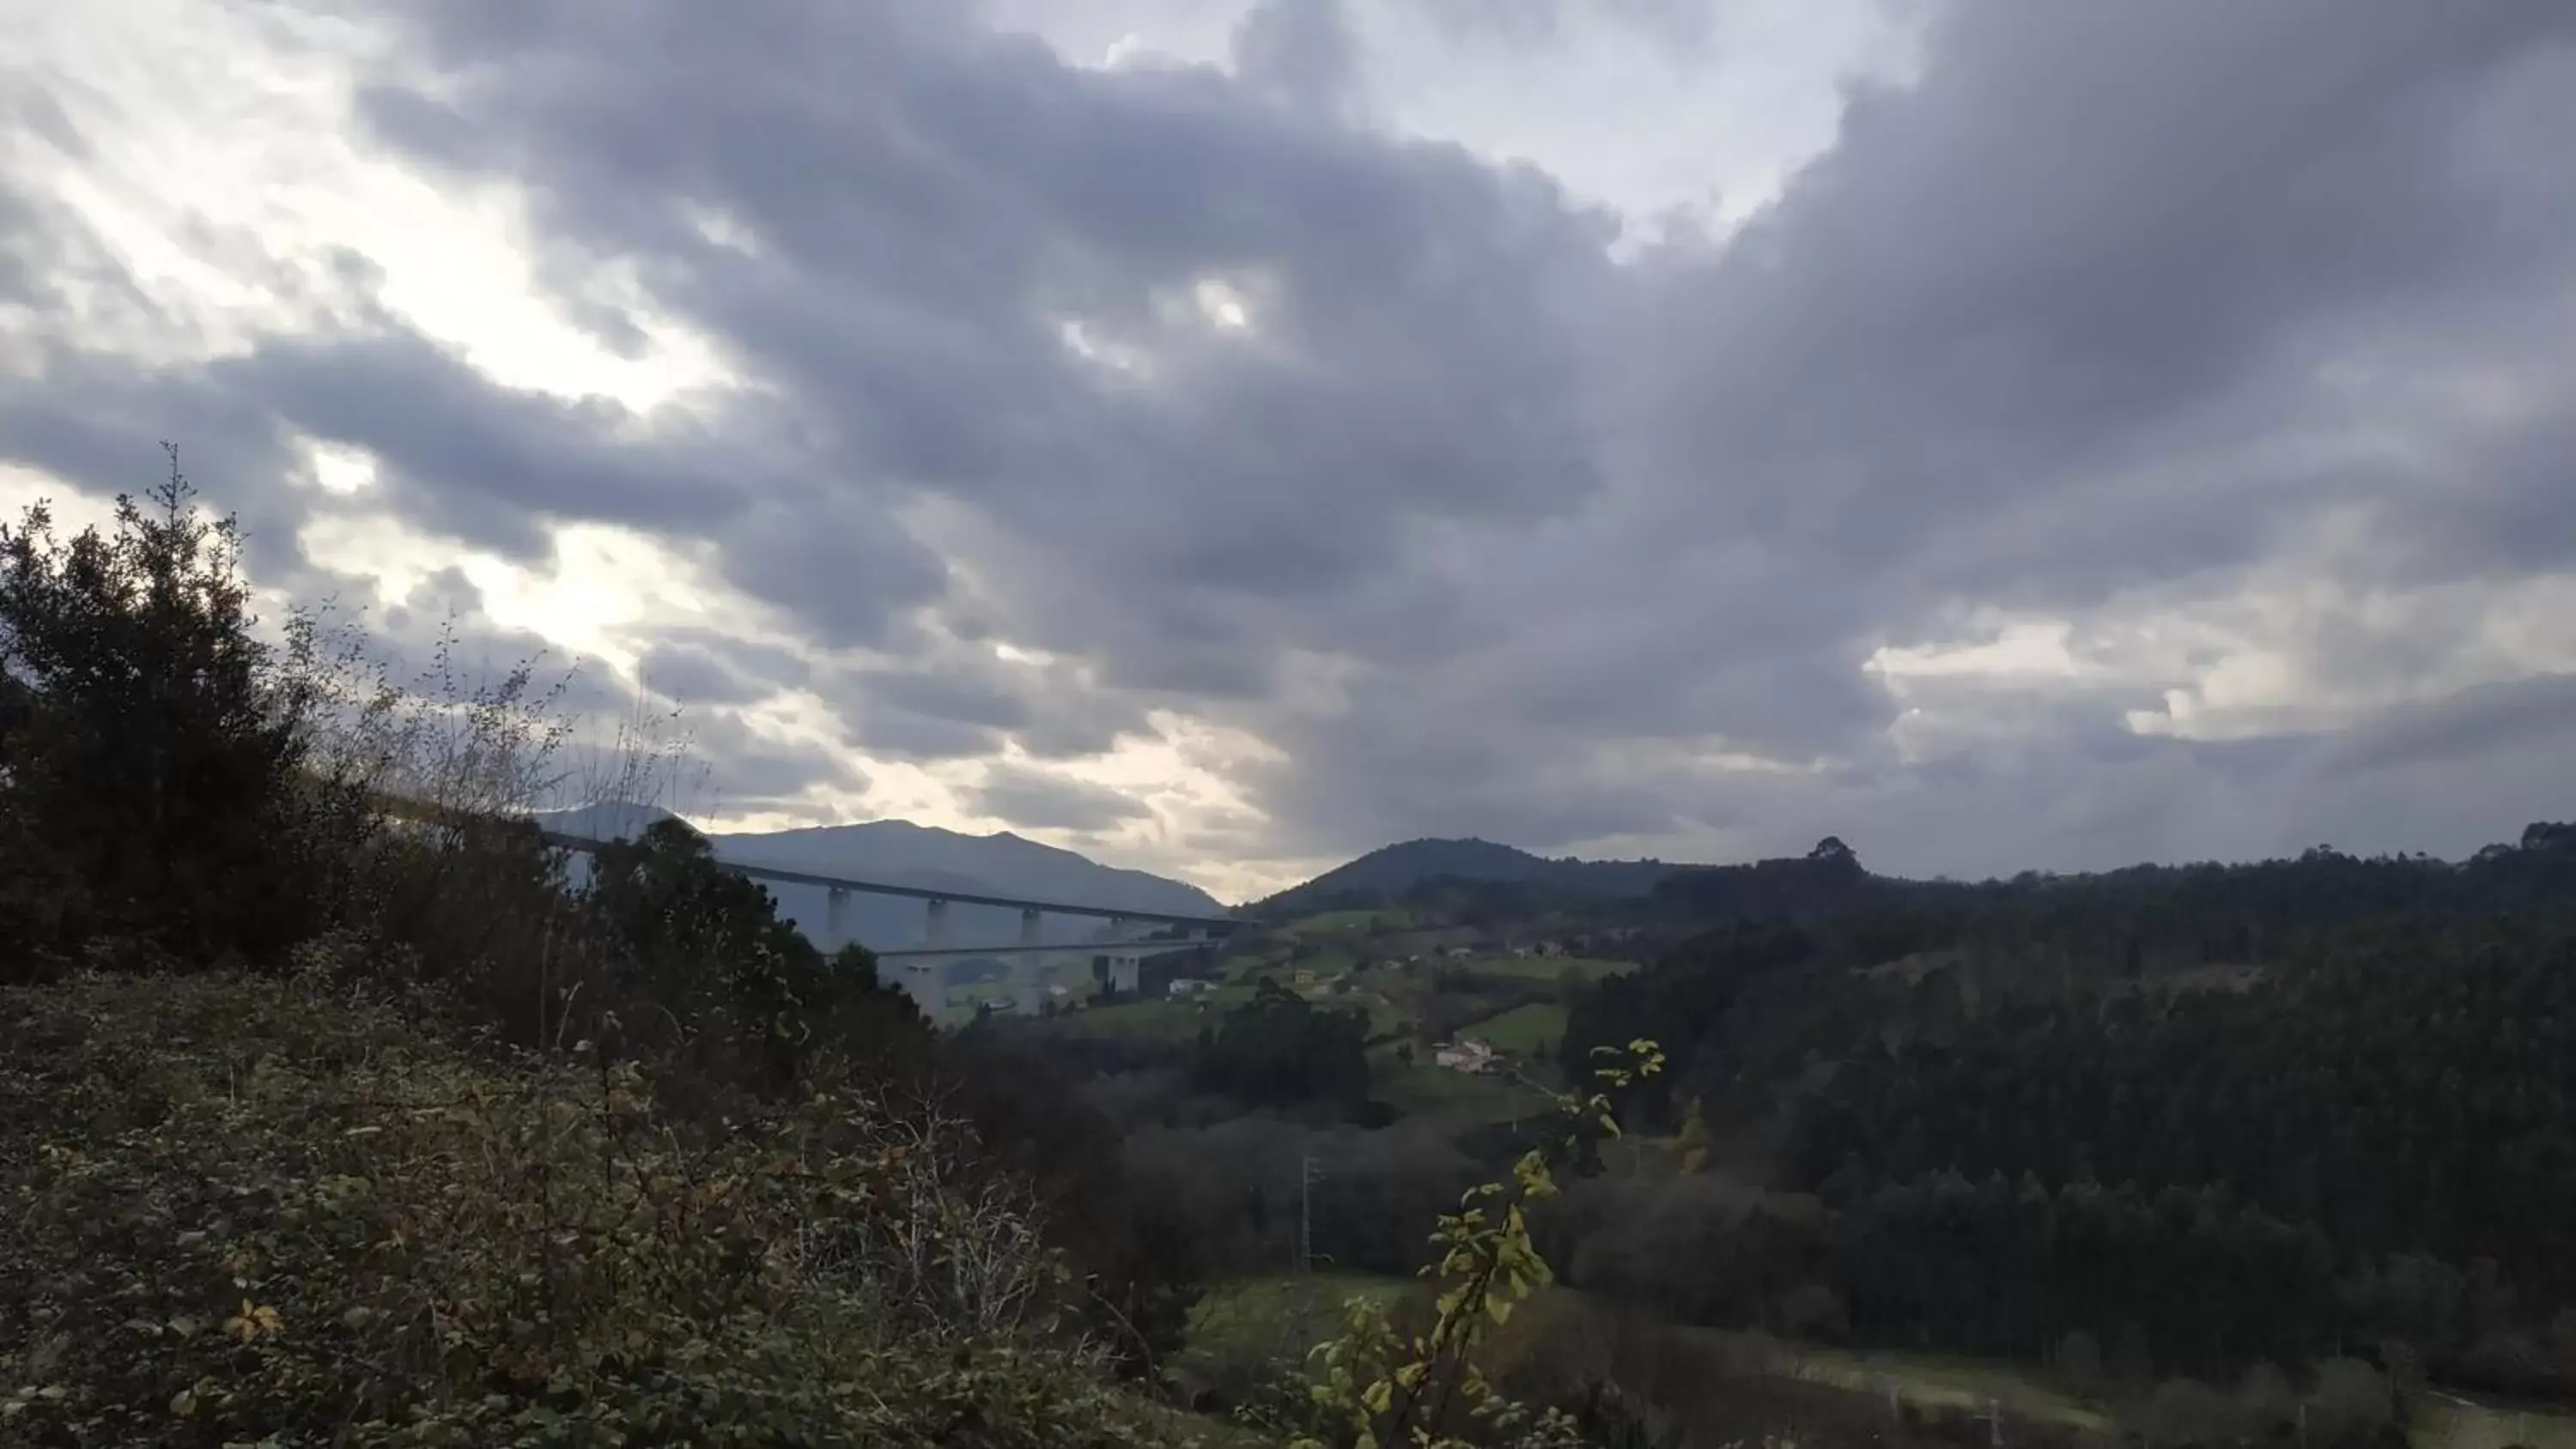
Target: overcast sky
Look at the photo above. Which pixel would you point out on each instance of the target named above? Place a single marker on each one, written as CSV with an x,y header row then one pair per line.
x,y
1226,437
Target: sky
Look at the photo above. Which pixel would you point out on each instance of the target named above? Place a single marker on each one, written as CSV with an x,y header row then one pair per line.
x,y
1225,436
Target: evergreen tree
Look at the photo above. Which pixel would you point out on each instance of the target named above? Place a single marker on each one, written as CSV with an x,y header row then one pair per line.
x,y
151,752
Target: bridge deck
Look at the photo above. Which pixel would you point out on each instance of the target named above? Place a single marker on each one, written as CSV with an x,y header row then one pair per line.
x,y
926,893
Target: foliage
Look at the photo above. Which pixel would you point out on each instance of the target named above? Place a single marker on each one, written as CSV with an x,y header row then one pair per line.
x,y
1280,1050
272,1210
319,805
1383,1385
152,756
2329,1152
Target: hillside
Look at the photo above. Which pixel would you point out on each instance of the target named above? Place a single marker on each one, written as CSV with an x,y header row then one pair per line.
x,y
899,852
1389,873
239,1202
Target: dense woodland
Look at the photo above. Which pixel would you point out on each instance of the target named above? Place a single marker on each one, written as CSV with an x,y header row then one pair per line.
x,y
2166,1120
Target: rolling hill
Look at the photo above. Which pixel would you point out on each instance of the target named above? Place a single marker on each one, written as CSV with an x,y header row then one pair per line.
x,y
1390,871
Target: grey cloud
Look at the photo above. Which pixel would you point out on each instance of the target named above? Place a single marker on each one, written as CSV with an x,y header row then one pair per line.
x,y
1413,361
948,706
747,771
2115,298
1300,50
2089,237
2048,326
1041,801
444,595
477,460
904,735
1684,24
695,674
949,693
2485,721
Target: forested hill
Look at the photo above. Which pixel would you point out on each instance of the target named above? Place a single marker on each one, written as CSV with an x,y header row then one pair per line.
x,y
1387,875
2201,1118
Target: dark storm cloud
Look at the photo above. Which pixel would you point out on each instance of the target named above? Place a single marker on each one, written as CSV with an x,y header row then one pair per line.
x,y
2057,322
1483,532
1041,801
2093,238
930,208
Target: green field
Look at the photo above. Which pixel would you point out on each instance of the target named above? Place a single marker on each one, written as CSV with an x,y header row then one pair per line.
x,y
2447,1421
1245,1331
1276,1317
1135,1020
1427,1090
1545,968
1343,921
1524,1031
1240,1306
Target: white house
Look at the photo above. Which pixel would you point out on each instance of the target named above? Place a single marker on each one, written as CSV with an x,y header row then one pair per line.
x,y
1465,1055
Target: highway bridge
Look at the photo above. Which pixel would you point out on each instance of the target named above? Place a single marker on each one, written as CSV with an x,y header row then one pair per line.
x,y
1119,951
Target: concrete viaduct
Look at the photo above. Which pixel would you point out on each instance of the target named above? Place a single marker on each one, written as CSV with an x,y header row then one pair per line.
x,y
919,976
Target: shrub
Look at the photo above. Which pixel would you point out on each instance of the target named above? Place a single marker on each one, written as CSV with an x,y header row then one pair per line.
x,y
257,1208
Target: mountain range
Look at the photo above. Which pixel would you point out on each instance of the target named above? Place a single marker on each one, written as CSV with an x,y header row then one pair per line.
x,y
898,852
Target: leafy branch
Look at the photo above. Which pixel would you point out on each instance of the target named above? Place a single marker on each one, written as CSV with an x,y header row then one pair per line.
x,y
1382,1387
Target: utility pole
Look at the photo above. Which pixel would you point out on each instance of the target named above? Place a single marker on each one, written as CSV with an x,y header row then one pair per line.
x,y
1305,1214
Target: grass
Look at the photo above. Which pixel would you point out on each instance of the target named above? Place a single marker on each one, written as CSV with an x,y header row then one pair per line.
x,y
1523,1031
1337,921
1136,1020
1941,1381
1230,1312
1546,968
1247,1335
2447,1421
1423,1089
1330,962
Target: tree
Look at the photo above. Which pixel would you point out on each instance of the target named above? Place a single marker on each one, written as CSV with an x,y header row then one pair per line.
x,y
1280,1049
154,750
709,944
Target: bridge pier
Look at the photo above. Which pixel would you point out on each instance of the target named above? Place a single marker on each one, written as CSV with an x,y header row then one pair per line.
x,y
836,920
935,932
921,983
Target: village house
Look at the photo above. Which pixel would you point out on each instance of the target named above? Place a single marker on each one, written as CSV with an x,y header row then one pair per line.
x,y
1466,1055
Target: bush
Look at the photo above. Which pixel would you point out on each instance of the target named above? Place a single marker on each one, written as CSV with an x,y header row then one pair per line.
x,y
272,1208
